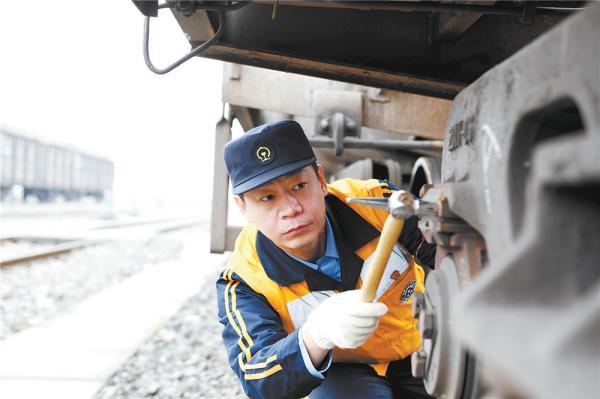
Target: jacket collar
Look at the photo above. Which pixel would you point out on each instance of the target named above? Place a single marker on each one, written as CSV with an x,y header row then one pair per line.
x,y
351,232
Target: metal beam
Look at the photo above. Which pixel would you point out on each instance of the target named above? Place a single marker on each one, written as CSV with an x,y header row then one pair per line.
x,y
218,220
244,116
330,70
232,233
352,142
386,110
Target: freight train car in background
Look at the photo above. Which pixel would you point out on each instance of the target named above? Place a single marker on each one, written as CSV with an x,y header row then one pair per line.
x,y
490,110
32,168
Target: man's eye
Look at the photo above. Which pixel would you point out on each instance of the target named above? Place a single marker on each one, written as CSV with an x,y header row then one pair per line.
x,y
267,198
299,186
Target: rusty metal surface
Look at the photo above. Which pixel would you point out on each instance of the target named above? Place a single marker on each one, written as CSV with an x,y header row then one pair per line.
x,y
387,110
336,71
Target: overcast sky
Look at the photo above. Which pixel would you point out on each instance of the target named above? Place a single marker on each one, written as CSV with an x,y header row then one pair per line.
x,y
73,71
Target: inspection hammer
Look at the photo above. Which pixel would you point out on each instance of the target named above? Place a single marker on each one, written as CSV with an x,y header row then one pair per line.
x,y
401,205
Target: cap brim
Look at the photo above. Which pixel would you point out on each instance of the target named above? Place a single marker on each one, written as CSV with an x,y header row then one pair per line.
x,y
271,174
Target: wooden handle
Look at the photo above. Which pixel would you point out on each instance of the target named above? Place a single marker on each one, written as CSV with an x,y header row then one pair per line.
x,y
389,236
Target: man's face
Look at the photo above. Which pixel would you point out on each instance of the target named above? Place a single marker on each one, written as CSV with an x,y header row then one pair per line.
x,y
290,211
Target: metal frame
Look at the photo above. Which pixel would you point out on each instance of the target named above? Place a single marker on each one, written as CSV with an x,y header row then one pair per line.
x,y
218,220
528,182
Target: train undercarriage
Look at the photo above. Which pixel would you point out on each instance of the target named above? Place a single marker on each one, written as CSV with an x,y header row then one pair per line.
x,y
490,112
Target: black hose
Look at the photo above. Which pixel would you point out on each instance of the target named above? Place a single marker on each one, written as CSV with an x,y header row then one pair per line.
x,y
193,53
220,9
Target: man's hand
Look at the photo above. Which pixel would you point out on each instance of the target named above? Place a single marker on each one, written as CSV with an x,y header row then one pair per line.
x,y
343,321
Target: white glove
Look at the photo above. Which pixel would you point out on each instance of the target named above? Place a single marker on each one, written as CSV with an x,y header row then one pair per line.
x,y
343,320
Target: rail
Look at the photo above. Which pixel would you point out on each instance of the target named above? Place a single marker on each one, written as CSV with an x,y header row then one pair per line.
x,y
73,245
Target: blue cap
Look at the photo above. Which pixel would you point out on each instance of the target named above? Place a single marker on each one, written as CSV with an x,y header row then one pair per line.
x,y
265,153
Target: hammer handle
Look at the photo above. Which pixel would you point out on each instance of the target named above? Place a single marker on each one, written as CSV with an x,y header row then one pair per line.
x,y
389,236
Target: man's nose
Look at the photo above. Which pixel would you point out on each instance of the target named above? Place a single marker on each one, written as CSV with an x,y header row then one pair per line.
x,y
291,206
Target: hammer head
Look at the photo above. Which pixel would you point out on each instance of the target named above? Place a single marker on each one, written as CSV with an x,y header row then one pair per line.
x,y
401,204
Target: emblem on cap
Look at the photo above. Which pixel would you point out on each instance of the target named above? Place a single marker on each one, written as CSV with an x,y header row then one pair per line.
x,y
264,155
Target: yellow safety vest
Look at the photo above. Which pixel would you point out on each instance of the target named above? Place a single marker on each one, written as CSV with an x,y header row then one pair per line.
x,y
356,229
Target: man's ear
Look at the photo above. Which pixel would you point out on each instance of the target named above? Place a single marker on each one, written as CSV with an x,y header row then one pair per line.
x,y
322,180
241,206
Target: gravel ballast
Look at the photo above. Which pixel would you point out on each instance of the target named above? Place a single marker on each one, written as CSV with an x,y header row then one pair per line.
x,y
185,358
34,292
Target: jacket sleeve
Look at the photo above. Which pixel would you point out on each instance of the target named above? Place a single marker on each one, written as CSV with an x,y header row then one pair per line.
x,y
267,360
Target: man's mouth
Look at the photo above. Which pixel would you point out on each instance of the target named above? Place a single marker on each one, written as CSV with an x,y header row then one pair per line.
x,y
296,230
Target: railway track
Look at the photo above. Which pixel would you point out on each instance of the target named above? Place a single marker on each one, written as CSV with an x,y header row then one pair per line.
x,y
62,246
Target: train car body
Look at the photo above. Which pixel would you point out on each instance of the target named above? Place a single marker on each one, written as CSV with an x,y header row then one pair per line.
x,y
44,170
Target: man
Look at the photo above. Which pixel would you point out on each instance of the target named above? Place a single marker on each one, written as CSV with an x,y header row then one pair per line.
x,y
294,325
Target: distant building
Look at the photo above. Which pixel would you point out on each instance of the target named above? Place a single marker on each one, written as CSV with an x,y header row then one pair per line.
x,y
32,167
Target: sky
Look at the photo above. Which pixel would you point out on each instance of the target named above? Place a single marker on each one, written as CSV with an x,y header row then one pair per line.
x,y
73,72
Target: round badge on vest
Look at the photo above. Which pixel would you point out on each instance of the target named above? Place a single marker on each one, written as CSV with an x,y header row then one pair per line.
x,y
263,154
408,290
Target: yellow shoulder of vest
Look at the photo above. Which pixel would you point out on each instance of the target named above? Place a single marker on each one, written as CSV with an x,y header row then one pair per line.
x,y
345,188
244,257
244,261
